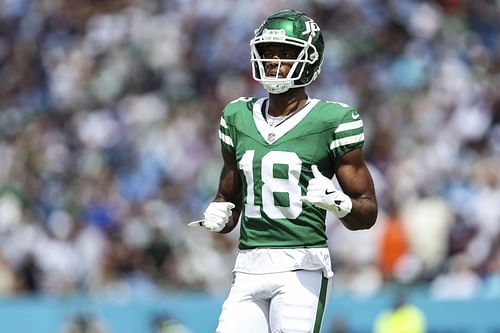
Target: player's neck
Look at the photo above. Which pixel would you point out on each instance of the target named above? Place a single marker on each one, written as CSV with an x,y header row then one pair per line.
x,y
288,102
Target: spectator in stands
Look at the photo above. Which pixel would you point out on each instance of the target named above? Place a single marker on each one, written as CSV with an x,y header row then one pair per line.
x,y
403,317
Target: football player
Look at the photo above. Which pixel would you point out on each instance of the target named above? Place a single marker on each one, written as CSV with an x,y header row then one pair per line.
x,y
280,154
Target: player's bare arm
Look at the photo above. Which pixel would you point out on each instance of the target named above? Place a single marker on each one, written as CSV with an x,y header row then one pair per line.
x,y
355,180
230,189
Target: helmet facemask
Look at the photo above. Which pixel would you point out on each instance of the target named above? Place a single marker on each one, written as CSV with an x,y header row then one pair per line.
x,y
307,57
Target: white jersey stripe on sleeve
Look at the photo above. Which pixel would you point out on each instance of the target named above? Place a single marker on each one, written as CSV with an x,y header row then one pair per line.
x,y
226,139
349,126
347,140
223,123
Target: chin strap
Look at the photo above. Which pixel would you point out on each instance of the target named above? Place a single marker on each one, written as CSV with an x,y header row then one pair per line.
x,y
276,88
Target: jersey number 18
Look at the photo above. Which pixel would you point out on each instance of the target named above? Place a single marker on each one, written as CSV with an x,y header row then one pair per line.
x,y
271,184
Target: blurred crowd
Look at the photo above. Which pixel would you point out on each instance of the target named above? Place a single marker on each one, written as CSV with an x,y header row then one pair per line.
x,y
108,140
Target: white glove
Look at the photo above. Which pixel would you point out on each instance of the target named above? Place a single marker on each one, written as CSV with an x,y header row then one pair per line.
x,y
322,193
216,215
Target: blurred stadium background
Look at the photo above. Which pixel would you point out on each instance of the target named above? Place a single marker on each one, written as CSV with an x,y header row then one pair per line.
x,y
108,147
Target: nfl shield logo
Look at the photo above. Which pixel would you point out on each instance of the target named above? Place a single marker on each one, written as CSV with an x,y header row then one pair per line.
x,y
271,137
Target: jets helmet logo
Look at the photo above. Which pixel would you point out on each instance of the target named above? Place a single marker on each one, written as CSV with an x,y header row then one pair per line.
x,y
311,28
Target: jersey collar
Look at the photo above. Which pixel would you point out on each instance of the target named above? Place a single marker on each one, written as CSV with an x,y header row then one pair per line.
x,y
272,134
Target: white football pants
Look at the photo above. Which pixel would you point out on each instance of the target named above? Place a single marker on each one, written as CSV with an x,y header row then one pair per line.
x,y
276,302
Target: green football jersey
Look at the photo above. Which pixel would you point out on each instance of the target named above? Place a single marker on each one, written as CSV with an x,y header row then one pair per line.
x,y
275,167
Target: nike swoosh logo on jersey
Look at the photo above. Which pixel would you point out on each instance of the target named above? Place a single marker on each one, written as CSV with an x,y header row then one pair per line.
x,y
327,192
354,115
